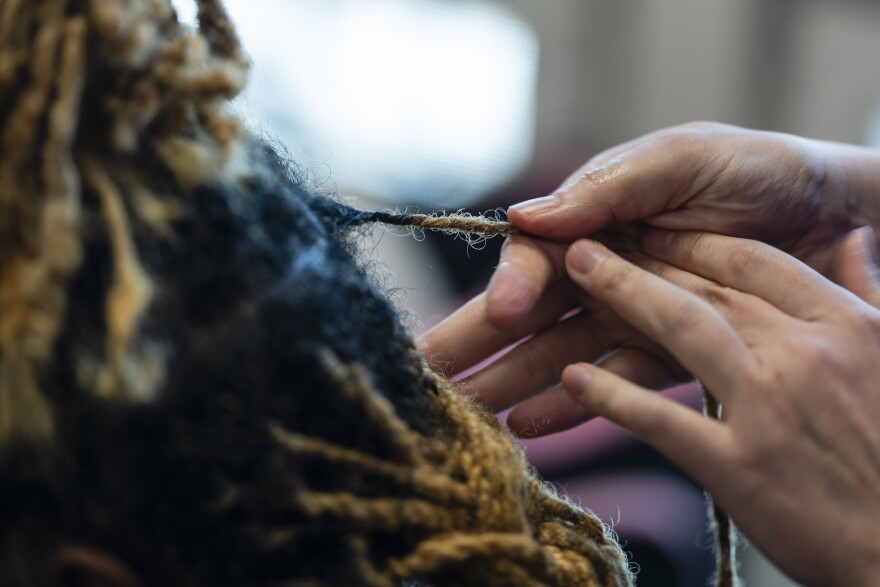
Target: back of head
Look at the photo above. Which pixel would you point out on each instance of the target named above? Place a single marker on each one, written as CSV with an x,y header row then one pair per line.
x,y
199,385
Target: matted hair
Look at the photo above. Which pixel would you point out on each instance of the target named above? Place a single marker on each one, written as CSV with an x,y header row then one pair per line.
x,y
199,385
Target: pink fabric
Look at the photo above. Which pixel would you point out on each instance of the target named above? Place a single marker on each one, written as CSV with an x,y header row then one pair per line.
x,y
566,449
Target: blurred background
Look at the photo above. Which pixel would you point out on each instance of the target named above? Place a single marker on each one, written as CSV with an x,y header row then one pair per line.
x,y
476,104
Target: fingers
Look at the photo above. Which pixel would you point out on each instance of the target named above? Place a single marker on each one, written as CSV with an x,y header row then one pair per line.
x,y
695,443
536,364
526,268
520,300
688,327
747,314
550,412
467,336
555,410
747,266
857,268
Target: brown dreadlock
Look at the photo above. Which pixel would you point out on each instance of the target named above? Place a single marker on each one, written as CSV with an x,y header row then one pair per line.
x,y
198,384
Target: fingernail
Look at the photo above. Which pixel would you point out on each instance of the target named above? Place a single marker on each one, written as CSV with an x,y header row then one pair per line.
x,y
577,380
584,256
868,245
535,207
508,288
657,240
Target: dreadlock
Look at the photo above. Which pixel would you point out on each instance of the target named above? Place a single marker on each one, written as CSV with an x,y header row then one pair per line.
x,y
199,385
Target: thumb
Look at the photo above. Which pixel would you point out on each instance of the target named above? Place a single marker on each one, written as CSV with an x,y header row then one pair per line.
x,y
645,180
856,265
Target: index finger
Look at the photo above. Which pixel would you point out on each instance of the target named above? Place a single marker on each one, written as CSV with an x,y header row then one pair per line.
x,y
687,326
748,266
468,336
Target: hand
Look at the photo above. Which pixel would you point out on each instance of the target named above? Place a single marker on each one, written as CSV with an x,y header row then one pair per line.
x,y
795,361
785,190
480,329
794,193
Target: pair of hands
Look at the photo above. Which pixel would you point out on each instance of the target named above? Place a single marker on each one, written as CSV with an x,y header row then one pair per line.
x,y
792,356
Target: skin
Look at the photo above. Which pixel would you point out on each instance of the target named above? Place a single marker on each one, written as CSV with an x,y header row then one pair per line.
x,y
799,361
796,370
799,195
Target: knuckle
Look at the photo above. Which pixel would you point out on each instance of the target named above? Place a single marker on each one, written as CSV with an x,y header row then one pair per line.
x,y
678,140
751,459
682,316
811,180
553,254
870,322
615,279
690,135
702,126
516,246
688,249
852,320
698,243
717,296
653,421
820,354
592,177
745,259
855,319
658,268
508,243
541,367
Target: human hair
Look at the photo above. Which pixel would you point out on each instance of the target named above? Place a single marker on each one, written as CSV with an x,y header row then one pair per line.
x,y
199,383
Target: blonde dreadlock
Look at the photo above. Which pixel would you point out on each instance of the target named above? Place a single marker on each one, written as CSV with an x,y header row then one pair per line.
x,y
166,90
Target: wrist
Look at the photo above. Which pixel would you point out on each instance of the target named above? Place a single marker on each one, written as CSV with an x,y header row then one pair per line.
x,y
853,177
